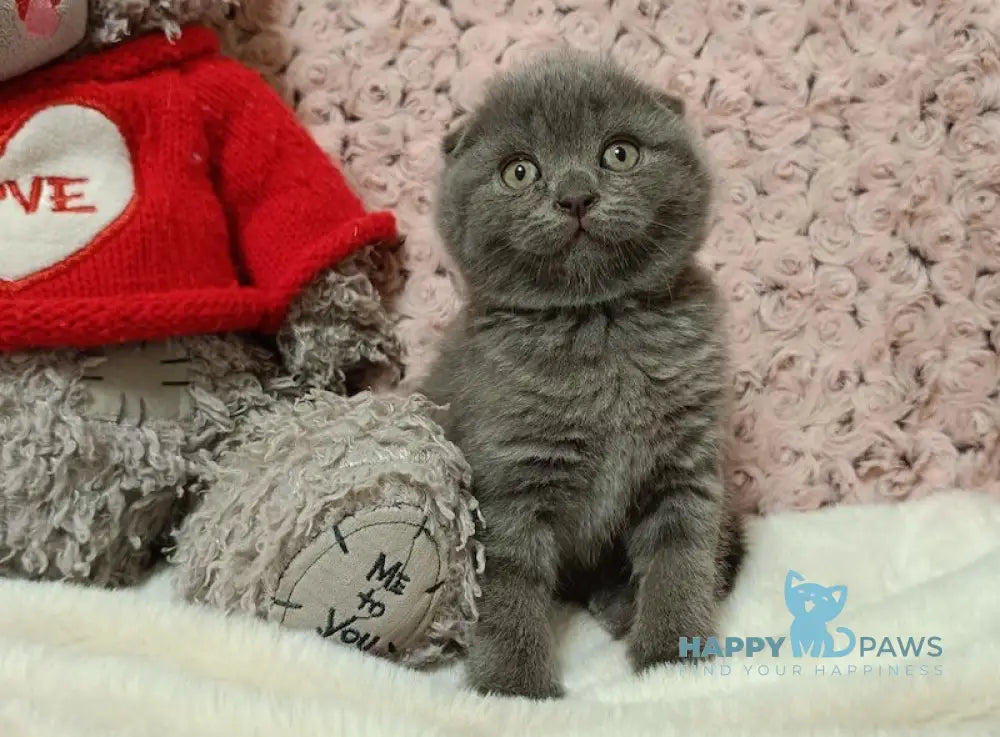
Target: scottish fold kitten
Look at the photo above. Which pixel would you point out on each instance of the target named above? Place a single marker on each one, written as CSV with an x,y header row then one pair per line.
x,y
586,377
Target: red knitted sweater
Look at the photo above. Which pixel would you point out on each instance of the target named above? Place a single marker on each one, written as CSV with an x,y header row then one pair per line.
x,y
159,189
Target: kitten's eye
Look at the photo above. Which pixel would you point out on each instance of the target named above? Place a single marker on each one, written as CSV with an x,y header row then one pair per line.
x,y
519,173
620,156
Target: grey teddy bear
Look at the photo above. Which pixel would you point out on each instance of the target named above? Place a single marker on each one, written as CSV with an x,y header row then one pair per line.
x,y
273,484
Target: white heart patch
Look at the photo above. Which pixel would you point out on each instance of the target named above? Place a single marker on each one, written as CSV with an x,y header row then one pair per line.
x,y
65,177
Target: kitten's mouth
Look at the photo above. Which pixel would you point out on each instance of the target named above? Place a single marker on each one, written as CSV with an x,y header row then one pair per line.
x,y
809,606
578,232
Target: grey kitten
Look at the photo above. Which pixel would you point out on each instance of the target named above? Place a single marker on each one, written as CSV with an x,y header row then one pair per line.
x,y
586,377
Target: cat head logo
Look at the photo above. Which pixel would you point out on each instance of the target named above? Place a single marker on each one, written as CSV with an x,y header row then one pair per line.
x,y
812,607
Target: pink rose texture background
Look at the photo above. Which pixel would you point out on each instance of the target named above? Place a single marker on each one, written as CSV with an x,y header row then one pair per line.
x,y
856,231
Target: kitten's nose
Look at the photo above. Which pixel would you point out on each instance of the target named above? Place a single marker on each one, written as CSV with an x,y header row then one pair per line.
x,y
576,202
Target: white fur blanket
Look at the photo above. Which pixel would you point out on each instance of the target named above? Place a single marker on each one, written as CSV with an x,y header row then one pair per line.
x,y
85,663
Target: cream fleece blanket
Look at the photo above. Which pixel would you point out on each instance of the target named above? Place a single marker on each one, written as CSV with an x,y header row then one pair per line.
x,y
86,663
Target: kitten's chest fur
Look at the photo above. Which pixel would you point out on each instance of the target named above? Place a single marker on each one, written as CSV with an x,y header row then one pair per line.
x,y
586,401
589,371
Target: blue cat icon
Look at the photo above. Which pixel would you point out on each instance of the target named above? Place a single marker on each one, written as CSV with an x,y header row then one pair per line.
x,y
813,606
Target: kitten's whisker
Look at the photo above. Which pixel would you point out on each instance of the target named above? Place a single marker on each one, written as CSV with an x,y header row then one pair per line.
x,y
629,214
669,227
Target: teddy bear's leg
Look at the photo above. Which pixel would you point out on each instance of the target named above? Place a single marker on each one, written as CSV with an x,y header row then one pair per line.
x,y
92,459
349,517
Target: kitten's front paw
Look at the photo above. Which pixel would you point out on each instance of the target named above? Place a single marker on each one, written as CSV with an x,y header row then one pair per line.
x,y
509,678
614,610
536,691
648,652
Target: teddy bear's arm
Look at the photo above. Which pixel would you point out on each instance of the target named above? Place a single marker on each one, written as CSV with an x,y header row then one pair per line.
x,y
337,327
293,214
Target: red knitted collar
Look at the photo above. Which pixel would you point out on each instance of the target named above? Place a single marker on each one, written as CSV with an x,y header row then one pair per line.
x,y
124,61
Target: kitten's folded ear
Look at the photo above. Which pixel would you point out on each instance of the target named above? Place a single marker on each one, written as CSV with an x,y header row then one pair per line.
x,y
671,103
455,139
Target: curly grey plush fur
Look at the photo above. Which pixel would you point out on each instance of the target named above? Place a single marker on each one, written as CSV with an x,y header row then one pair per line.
x,y
303,467
84,498
338,329
114,20
77,487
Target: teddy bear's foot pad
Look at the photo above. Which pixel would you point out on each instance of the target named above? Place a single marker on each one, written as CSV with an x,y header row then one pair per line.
x,y
371,581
